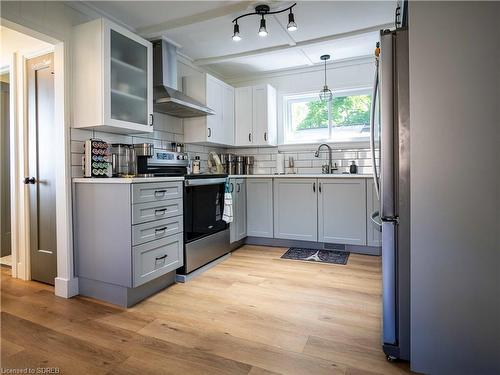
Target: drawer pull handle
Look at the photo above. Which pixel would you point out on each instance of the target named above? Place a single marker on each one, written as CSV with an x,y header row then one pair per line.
x,y
160,230
160,193
161,258
160,212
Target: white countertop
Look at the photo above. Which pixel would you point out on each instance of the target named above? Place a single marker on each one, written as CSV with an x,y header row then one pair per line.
x,y
319,175
124,180
138,180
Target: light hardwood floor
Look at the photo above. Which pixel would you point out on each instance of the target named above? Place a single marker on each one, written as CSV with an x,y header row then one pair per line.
x,y
252,314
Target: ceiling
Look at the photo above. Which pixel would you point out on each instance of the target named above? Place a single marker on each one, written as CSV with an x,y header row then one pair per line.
x,y
343,29
13,41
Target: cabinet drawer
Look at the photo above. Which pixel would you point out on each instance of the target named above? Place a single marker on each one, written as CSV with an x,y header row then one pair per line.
x,y
144,212
156,191
157,258
154,230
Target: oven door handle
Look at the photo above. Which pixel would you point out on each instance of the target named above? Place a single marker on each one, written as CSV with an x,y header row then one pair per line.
x,y
205,181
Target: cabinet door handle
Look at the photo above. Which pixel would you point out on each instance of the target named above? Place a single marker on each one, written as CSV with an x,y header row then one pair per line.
x,y
239,187
319,187
160,230
151,119
249,137
160,212
265,136
209,132
161,258
232,187
314,187
160,193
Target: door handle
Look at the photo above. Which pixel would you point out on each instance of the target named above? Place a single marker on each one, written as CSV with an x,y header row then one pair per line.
x,y
265,136
151,119
319,187
29,180
314,187
209,132
232,187
239,187
249,137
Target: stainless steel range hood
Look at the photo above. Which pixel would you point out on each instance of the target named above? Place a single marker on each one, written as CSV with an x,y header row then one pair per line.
x,y
167,98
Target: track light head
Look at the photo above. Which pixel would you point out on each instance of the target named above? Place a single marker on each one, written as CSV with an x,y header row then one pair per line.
x,y
292,26
236,32
262,29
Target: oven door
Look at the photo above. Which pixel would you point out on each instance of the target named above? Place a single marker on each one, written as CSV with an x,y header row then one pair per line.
x,y
203,207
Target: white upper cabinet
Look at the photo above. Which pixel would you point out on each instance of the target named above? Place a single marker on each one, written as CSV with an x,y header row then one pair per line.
x,y
243,109
218,96
112,79
255,112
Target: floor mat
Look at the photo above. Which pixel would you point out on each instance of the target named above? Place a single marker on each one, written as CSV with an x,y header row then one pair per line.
x,y
314,255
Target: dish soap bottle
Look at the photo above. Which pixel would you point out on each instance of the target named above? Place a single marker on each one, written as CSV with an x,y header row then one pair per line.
x,y
353,169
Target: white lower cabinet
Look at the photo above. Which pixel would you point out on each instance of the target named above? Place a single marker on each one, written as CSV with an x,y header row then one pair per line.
x,y
260,207
238,228
342,211
296,209
373,232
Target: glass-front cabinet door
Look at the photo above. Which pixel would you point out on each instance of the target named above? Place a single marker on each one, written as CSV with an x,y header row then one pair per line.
x,y
128,76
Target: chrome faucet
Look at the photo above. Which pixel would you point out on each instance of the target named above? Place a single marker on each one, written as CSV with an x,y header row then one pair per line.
x,y
331,166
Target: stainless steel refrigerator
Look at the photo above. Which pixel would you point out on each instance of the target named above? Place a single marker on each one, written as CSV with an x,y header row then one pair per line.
x,y
392,182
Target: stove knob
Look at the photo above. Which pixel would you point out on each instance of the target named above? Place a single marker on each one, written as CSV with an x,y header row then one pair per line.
x,y
179,157
185,157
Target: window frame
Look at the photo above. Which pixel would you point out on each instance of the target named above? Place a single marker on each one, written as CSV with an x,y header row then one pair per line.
x,y
289,99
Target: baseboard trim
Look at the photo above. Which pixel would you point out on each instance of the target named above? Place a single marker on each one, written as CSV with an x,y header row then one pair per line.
x,y
279,242
66,288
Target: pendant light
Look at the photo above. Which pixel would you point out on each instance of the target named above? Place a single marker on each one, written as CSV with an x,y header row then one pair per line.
x,y
325,94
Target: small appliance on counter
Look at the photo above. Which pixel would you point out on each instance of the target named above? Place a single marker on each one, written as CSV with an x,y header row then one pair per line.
x,y
143,152
123,160
280,163
96,158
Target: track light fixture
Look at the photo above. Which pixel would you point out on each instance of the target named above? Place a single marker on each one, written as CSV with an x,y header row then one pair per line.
x,y
263,10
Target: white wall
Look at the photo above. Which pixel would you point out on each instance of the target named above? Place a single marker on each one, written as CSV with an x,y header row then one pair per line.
x,y
346,75
51,22
455,187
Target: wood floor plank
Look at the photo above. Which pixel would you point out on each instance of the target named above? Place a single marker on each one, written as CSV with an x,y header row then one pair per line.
x,y
34,336
254,313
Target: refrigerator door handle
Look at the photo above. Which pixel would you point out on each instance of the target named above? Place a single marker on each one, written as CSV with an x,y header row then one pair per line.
x,y
372,128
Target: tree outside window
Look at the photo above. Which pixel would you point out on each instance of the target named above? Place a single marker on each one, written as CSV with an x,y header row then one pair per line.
x,y
308,118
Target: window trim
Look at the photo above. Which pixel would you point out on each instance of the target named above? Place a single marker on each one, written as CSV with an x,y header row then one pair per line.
x,y
294,98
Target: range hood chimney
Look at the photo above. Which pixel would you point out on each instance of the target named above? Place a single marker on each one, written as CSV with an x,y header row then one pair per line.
x,y
167,98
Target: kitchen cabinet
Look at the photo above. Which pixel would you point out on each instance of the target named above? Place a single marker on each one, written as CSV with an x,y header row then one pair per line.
x,y
260,207
342,211
238,228
373,231
296,209
128,238
256,116
112,79
218,96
